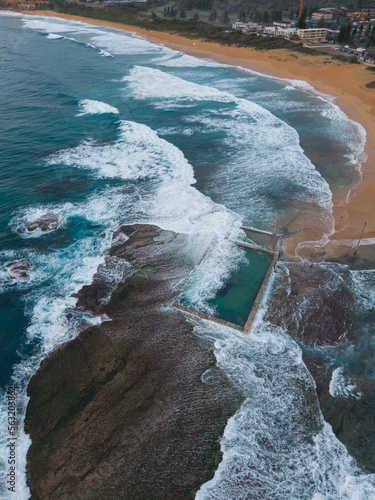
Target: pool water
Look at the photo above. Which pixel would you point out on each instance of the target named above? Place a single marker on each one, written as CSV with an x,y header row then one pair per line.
x,y
234,300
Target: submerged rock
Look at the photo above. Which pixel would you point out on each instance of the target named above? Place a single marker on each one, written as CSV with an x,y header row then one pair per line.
x,y
122,411
18,269
47,222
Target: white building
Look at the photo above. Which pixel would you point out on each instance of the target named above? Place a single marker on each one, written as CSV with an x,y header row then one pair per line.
x,y
312,34
284,24
327,16
247,27
252,28
286,32
279,31
239,26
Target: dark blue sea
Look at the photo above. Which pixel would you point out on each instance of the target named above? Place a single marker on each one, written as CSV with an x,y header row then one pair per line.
x,y
100,127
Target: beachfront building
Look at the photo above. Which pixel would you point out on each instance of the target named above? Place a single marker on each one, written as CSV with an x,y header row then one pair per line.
x,y
279,31
286,32
248,28
239,26
326,14
288,23
312,34
253,28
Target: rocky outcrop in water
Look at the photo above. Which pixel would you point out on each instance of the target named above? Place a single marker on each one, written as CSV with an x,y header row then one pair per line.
x,y
18,269
122,411
47,222
316,306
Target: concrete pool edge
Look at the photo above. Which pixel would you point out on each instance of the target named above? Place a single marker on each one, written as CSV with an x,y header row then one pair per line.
x,y
254,308
260,294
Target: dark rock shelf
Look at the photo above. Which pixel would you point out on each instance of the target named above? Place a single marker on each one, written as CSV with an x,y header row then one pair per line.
x,y
122,411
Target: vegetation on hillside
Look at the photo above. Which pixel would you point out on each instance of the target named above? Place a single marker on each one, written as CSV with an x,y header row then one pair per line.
x,y
191,28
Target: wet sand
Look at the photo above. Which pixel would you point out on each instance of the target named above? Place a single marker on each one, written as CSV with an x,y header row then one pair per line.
x,y
345,82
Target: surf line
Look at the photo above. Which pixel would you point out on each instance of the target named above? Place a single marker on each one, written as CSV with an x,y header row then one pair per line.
x,y
255,306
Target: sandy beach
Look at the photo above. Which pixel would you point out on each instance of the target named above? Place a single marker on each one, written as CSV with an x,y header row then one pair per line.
x,y
344,82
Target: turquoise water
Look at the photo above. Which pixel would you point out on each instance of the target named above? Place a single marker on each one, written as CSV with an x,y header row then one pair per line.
x,y
234,301
99,128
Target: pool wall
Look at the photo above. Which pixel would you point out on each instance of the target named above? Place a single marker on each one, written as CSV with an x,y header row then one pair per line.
x,y
247,326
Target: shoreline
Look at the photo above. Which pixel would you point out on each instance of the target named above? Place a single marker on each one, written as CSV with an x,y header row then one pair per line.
x,y
343,82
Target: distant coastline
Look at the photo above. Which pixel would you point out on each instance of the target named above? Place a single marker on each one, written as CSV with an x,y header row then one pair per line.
x,y
344,82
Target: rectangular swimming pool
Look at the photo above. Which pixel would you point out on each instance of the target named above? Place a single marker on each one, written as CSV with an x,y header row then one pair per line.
x,y
234,301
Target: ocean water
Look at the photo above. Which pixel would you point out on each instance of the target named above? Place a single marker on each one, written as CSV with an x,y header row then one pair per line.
x,y
101,128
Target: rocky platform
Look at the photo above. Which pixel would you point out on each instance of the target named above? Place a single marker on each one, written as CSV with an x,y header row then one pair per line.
x,y
319,310
121,411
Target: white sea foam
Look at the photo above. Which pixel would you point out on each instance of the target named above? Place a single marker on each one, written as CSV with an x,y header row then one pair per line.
x,y
174,59
353,243
342,385
152,83
62,273
56,27
126,44
140,154
9,13
340,126
169,200
46,24
271,444
282,449
265,155
92,107
291,83
54,36
95,209
364,289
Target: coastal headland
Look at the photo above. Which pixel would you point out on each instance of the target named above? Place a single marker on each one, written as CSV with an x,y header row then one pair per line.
x,y
134,407
343,82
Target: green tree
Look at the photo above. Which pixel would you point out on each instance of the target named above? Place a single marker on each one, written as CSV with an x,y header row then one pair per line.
x,y
276,15
155,18
213,16
371,41
257,17
182,13
225,18
266,17
348,31
345,33
321,23
196,16
341,35
301,23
